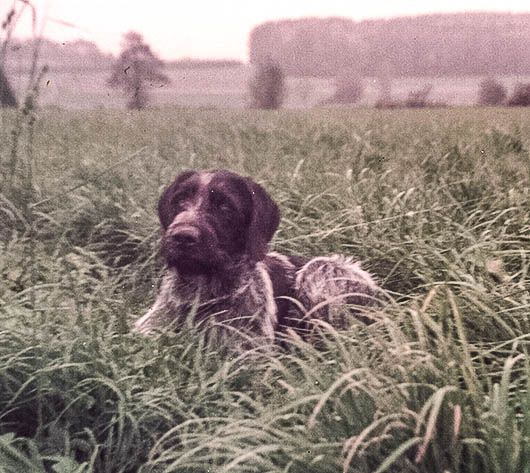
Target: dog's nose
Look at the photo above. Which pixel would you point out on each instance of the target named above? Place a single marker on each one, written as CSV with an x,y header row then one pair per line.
x,y
186,237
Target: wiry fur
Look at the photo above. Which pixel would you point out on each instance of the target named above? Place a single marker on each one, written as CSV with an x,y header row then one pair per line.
x,y
325,284
249,306
252,291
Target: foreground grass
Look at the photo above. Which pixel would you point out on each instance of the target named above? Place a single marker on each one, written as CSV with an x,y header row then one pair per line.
x,y
437,204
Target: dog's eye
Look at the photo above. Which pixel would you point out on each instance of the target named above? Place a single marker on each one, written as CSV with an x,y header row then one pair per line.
x,y
221,203
179,201
224,206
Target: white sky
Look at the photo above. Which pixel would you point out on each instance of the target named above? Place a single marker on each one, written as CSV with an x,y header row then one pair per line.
x,y
214,28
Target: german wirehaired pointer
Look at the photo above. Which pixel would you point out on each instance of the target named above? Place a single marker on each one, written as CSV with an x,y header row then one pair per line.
x,y
216,226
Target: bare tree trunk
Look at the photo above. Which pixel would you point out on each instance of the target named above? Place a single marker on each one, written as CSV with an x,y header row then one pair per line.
x,y
7,97
137,101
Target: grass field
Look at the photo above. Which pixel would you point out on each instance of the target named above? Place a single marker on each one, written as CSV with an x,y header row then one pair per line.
x,y
437,205
227,87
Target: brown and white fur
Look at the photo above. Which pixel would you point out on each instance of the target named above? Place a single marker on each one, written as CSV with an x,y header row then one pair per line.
x,y
216,226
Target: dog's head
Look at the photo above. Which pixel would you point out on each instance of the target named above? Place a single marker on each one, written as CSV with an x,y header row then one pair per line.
x,y
212,219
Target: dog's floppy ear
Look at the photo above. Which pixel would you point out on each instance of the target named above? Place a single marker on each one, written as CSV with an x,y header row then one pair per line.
x,y
166,212
264,221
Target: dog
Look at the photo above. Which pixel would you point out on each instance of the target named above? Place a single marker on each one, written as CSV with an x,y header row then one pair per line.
x,y
216,227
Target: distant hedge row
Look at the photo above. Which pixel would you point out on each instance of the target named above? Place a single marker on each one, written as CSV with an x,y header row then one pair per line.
x,y
428,45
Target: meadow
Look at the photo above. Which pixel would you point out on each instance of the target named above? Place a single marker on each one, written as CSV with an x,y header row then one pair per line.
x,y
227,87
436,203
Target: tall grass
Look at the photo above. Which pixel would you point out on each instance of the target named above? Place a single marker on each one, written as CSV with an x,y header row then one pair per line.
x,y
436,203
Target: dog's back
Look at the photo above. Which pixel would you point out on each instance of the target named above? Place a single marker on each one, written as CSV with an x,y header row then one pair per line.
x,y
319,288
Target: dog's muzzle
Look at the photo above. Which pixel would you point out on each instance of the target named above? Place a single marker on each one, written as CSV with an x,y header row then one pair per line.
x,y
185,237
192,248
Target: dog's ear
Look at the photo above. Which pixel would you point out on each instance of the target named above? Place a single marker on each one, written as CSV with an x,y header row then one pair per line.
x,y
264,221
166,210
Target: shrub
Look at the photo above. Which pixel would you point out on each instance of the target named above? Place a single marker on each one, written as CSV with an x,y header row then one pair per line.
x,y
348,89
491,92
415,99
267,88
520,96
387,103
419,98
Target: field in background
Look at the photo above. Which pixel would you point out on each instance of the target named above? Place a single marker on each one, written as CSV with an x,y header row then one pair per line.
x,y
227,88
435,202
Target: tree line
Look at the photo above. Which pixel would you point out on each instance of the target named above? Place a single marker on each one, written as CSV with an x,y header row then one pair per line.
x,y
428,45
334,47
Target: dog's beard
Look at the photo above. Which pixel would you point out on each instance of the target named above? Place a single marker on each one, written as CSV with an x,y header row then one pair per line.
x,y
197,261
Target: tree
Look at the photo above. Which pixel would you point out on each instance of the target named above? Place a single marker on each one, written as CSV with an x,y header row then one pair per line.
x,y
136,68
7,97
491,92
267,87
520,96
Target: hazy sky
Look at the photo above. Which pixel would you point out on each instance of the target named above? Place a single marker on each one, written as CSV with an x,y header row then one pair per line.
x,y
214,28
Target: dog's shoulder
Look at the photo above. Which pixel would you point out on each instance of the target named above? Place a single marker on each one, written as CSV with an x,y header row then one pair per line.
x,y
282,272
